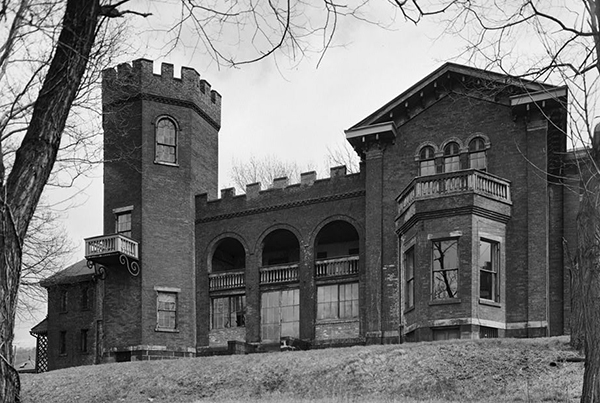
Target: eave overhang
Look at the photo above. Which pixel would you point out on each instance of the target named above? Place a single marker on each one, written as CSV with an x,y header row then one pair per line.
x,y
377,133
449,78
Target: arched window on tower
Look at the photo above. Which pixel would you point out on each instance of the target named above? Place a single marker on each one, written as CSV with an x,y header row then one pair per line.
x,y
426,161
451,157
166,141
477,157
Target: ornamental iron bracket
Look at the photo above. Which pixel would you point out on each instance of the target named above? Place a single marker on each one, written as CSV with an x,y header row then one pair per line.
x,y
99,270
133,267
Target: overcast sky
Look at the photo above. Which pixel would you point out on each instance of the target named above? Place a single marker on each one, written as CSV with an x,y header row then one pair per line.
x,y
294,112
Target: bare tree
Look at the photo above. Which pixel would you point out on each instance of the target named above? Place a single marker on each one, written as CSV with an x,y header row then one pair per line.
x,y
46,250
49,56
558,40
264,170
343,154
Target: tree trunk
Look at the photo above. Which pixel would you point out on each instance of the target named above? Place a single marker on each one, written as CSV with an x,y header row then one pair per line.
x,y
33,163
588,263
577,331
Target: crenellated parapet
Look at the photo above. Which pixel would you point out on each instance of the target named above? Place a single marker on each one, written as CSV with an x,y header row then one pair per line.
x,y
280,195
128,82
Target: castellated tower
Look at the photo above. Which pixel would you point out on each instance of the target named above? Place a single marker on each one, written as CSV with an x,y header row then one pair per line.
x,y
160,150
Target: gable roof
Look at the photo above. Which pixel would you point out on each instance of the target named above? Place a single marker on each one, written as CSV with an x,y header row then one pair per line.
x,y
441,77
75,273
40,328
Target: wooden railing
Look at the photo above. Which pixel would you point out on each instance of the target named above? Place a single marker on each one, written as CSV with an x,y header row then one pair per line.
x,y
226,280
109,244
336,267
472,180
279,274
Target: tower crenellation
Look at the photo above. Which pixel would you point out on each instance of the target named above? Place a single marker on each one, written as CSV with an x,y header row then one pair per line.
x,y
128,81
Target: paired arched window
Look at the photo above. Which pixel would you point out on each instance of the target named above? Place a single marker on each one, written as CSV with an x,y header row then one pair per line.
x,y
427,161
477,157
454,156
451,157
166,141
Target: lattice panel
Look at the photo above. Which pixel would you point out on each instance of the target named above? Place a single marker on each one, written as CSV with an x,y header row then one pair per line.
x,y
41,355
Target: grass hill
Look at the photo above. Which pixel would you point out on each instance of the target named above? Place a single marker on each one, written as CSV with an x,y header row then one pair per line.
x,y
492,370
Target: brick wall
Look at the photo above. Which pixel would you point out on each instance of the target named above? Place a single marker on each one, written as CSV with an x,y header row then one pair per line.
x,y
162,195
337,331
301,209
71,321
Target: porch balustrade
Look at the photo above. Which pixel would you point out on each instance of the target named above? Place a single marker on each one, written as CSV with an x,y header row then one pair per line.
x,y
226,280
279,274
110,244
451,183
336,267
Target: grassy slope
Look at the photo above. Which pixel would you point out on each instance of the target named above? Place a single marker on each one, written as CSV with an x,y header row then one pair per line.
x,y
486,370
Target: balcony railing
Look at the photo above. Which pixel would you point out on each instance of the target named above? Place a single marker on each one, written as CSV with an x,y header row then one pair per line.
x,y
223,281
110,244
336,267
279,274
451,183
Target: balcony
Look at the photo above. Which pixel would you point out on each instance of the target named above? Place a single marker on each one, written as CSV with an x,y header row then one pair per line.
x,y
114,249
454,193
343,266
279,274
225,281
452,183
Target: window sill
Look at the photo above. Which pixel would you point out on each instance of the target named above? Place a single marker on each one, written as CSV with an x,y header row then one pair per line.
x,y
408,310
335,321
489,302
169,164
445,301
158,329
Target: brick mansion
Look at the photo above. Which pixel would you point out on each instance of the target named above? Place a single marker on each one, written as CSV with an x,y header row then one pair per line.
x,y
453,228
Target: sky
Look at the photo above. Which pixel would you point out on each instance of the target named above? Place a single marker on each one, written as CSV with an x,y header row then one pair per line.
x,y
291,110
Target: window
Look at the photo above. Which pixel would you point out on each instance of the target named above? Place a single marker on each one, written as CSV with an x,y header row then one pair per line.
x,y
280,314
409,274
427,161
449,333
488,332
445,269
123,223
477,157
84,340
228,312
488,270
338,301
87,297
451,157
62,343
166,310
166,141
63,300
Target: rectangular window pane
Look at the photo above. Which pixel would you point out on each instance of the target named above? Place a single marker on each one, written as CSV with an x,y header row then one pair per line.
x,y
477,160
124,224
451,164
165,153
280,314
167,310
427,167
445,269
62,343
84,340
409,264
488,270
